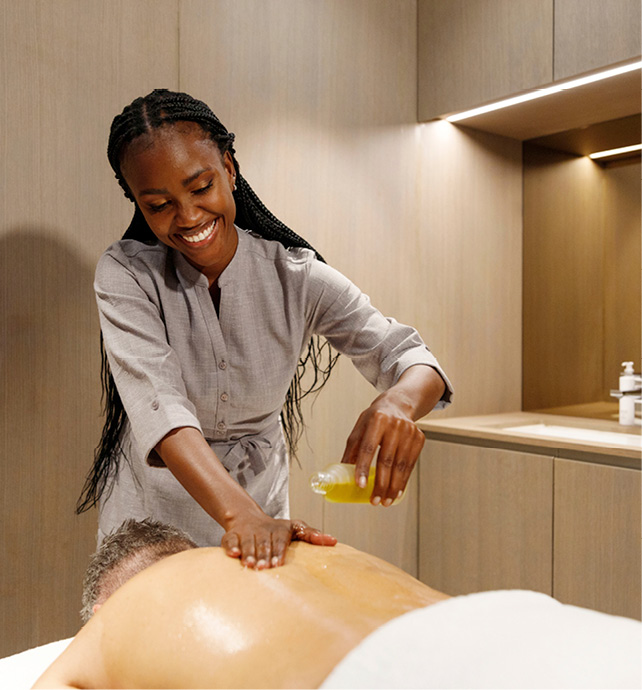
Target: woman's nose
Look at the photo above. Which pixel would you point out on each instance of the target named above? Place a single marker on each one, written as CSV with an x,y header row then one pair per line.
x,y
188,214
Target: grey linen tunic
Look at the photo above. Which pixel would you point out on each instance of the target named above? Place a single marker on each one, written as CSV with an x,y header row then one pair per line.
x,y
176,363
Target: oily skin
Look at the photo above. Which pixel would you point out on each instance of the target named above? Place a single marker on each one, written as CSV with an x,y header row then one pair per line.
x,y
195,620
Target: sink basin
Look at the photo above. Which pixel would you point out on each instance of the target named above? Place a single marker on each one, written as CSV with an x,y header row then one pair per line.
x,y
611,438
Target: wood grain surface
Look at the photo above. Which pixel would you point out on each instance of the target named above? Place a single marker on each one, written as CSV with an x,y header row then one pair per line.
x,y
68,67
597,537
486,519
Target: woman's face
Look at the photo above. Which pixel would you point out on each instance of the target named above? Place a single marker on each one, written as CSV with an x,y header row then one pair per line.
x,y
184,187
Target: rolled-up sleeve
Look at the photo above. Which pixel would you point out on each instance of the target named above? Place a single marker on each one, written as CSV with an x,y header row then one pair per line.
x,y
145,368
380,347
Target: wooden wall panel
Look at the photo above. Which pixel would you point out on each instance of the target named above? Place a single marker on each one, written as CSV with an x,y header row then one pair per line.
x,y
592,33
581,277
622,284
485,519
469,245
563,279
68,67
597,537
471,52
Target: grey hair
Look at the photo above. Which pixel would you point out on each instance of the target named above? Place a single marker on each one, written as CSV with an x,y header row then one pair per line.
x,y
134,546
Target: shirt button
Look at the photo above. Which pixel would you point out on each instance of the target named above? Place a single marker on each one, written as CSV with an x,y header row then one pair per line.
x,y
221,426
155,404
224,397
222,365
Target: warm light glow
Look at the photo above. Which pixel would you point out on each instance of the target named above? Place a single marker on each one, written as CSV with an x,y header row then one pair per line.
x,y
539,93
616,152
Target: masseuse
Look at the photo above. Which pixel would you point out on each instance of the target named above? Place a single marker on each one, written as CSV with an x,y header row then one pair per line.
x,y
210,310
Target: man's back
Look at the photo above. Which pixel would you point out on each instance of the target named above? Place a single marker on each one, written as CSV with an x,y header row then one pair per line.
x,y
198,619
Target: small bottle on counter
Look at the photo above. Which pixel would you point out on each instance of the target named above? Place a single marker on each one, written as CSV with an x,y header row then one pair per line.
x,y
628,380
629,385
337,484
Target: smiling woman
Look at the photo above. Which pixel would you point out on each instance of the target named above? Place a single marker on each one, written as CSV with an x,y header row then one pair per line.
x,y
211,309
183,186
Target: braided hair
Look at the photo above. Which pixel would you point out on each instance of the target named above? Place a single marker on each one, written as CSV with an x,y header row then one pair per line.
x,y
144,115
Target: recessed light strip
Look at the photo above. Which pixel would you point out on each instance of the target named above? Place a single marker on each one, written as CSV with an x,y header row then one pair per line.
x,y
616,152
539,93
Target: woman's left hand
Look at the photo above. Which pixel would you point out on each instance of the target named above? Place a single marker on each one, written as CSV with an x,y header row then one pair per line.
x,y
388,425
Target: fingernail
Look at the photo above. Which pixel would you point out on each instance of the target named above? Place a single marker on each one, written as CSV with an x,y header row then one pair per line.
x,y
274,561
262,563
376,500
400,494
363,481
250,561
387,502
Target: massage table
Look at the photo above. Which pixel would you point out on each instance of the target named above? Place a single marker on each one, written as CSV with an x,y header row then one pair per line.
x,y
505,639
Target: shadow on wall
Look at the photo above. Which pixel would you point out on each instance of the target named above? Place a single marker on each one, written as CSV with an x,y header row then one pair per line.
x,y
49,425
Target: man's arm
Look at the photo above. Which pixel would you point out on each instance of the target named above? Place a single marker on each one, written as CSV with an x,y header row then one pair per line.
x,y
80,665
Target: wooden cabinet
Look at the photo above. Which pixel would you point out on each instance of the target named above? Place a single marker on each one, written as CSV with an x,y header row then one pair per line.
x,y
597,537
485,519
471,52
492,519
592,33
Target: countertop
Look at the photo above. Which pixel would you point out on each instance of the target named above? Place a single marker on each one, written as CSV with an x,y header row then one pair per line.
x,y
490,430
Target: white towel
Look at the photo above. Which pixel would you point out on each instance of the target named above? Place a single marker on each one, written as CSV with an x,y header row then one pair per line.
x,y
20,671
506,639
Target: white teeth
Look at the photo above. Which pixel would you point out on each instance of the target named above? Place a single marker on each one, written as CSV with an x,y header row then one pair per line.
x,y
200,236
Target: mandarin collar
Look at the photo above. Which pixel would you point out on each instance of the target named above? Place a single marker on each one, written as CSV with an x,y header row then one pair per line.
x,y
192,277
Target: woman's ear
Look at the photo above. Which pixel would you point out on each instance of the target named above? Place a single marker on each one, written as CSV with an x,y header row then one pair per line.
x,y
228,164
95,607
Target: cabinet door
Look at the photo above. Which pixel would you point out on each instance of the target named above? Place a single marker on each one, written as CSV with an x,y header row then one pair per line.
x,y
597,537
471,52
590,34
485,519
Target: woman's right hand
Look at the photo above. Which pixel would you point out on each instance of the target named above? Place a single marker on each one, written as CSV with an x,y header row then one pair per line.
x,y
261,541
257,539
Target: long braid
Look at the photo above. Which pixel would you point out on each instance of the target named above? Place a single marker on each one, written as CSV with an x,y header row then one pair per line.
x,y
143,116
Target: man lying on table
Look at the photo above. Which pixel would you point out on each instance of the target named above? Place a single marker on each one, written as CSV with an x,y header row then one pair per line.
x,y
196,618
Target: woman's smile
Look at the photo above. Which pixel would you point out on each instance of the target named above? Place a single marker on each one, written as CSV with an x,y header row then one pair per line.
x,y
200,237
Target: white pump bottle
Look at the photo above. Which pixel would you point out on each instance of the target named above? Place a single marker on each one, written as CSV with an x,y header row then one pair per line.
x,y
628,379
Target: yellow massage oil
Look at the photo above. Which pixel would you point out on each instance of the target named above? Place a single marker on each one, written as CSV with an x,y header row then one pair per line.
x,y
337,484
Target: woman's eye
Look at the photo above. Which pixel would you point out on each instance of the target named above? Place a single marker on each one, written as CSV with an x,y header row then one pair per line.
x,y
202,190
157,208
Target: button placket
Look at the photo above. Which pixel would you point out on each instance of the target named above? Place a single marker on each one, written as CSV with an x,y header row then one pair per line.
x,y
221,410
219,372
